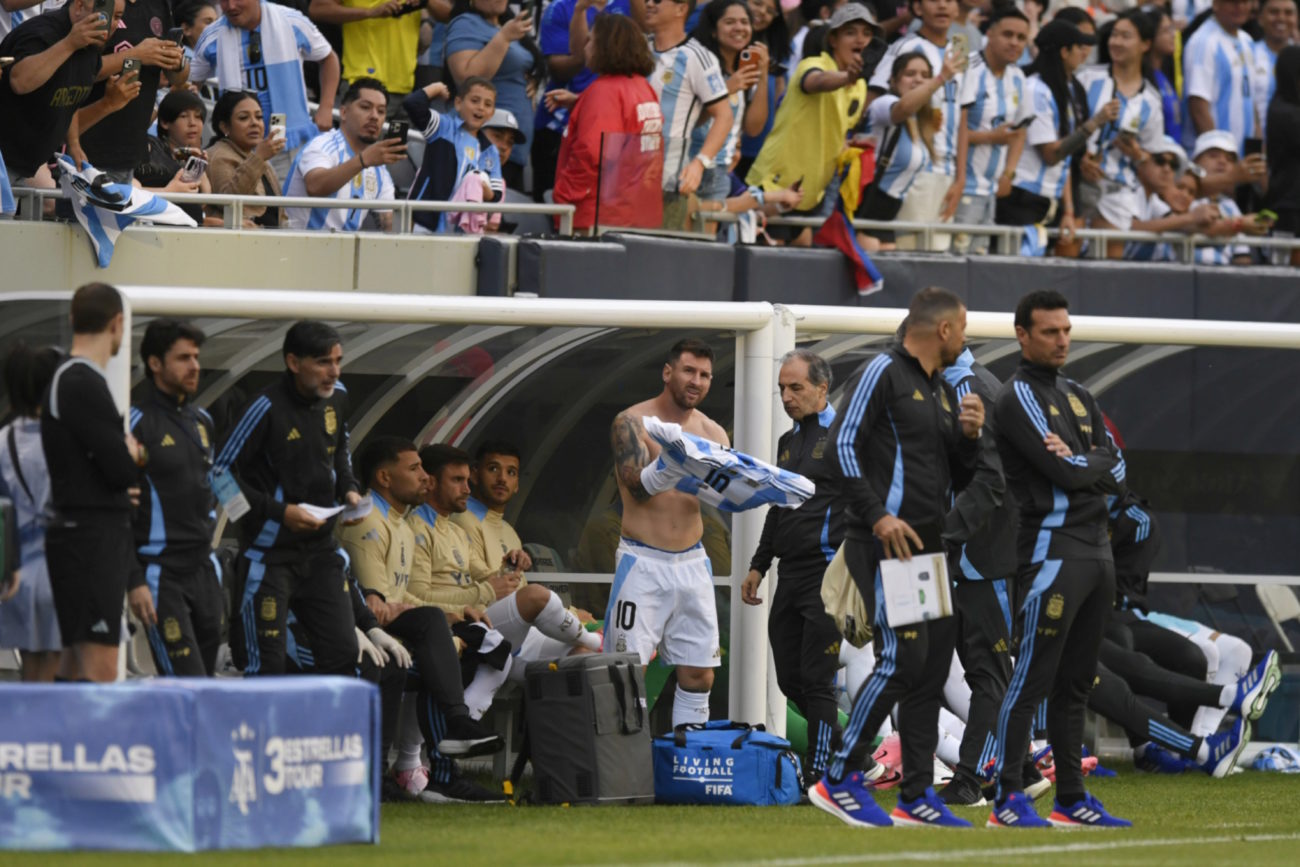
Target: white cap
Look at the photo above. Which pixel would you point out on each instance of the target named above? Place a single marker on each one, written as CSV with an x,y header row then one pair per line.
x,y
850,12
1166,145
1215,139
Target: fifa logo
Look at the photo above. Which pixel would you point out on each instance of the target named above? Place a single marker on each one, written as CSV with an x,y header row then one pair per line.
x,y
243,783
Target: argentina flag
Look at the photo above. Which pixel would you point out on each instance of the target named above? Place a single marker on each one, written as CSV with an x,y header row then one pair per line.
x,y
105,209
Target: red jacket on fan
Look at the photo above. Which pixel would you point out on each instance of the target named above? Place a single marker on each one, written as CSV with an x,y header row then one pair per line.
x,y
613,151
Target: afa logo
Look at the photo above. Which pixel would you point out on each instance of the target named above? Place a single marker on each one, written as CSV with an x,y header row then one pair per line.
x,y
1077,405
243,782
1055,607
331,420
819,450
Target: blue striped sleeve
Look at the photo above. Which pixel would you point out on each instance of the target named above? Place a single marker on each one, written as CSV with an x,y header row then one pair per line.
x,y
846,443
239,437
136,415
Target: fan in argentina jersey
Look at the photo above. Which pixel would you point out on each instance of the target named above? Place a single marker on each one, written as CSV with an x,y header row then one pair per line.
x,y
689,82
931,42
348,163
1140,113
1060,463
991,135
1216,74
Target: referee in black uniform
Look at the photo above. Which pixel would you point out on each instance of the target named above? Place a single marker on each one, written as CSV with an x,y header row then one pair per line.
x,y
1060,464
902,442
94,470
181,603
290,447
805,642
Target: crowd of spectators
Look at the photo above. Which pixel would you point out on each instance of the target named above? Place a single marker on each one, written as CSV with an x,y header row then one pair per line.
x,y
1015,112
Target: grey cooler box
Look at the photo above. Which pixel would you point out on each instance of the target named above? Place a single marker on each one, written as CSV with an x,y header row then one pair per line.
x,y
588,730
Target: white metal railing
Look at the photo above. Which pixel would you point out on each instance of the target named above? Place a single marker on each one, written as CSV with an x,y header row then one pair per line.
x,y
1009,237
233,206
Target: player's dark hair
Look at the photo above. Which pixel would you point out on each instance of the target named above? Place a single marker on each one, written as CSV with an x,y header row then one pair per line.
x,y
353,93
93,307
439,455
497,447
380,452
1041,299
819,369
310,338
27,374
162,334
930,306
698,348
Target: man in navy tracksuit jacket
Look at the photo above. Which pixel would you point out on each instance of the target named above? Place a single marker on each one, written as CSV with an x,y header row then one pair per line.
x,y
902,441
805,642
177,513
1060,464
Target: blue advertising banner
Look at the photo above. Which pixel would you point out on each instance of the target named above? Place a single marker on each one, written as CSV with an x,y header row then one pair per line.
x,y
187,764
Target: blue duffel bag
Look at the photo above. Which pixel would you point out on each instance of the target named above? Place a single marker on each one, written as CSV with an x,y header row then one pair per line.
x,y
724,762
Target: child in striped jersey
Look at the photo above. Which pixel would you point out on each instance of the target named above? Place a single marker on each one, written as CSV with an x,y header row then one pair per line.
x,y
991,135
1216,153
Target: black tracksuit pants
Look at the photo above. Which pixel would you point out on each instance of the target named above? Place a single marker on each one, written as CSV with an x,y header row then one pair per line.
x,y
1170,651
983,610
912,664
1113,699
806,653
191,610
1064,617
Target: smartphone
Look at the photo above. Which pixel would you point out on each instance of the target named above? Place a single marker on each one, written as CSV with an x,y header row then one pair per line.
x,y
105,8
398,129
6,62
1252,146
177,35
1264,215
194,169
131,68
959,44
749,59
1026,122
278,129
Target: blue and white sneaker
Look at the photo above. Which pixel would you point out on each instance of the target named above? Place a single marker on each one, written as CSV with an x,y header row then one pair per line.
x,y
1155,759
849,801
1254,687
1225,748
928,811
1016,810
1085,813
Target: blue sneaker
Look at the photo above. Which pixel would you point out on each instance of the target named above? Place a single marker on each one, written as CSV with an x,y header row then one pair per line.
x,y
1016,810
1085,813
1225,748
1155,759
849,801
1255,686
927,811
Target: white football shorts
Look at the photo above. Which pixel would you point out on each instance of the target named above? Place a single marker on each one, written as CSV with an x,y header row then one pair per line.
x,y
663,599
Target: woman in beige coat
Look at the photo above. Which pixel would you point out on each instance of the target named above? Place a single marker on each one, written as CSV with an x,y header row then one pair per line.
x,y
240,154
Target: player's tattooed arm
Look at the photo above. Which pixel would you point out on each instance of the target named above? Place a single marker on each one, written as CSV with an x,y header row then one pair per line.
x,y
630,454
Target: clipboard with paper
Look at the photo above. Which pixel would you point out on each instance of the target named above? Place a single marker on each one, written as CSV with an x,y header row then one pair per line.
x,y
918,589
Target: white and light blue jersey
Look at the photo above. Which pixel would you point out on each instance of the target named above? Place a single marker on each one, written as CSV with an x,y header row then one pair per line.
x,y
1143,110
1185,10
1217,68
1262,81
1221,254
687,78
738,102
272,68
1122,208
327,151
1032,174
909,158
945,101
989,101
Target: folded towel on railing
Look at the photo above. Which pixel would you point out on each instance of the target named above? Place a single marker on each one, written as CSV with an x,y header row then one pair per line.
x,y
104,209
730,480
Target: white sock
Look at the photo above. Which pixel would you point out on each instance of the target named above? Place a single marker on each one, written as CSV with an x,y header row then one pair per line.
x,y
956,692
484,686
1203,753
1228,695
409,738
690,707
556,621
951,730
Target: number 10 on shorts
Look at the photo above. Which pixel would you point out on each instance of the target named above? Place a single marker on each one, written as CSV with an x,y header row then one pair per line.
x,y
625,614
